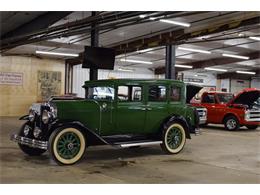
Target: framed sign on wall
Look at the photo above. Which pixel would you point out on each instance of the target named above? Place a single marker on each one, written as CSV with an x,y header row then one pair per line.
x,y
11,78
49,84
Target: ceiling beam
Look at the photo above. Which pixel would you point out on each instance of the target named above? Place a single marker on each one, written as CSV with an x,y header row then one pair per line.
x,y
215,61
174,37
41,22
234,75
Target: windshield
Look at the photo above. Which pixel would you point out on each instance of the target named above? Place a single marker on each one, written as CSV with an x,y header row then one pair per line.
x,y
100,93
225,97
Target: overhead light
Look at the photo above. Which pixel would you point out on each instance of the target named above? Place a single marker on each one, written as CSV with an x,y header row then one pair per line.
x,y
136,61
216,69
56,53
255,38
185,24
183,66
142,16
235,56
194,50
125,69
245,72
144,50
152,18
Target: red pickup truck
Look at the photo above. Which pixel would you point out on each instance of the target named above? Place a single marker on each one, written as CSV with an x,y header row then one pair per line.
x,y
232,111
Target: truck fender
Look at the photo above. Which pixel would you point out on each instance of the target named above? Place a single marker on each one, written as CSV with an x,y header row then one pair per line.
x,y
230,114
182,121
92,138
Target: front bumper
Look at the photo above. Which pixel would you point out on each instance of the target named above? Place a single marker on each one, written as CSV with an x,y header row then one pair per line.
x,y
29,142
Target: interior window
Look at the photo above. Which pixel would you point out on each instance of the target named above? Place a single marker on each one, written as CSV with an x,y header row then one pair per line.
x,y
129,93
209,98
157,93
175,94
100,93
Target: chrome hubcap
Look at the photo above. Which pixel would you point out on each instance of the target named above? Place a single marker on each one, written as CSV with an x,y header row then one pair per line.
x,y
231,124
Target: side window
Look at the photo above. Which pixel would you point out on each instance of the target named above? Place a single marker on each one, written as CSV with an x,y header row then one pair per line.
x,y
208,98
129,93
157,93
100,93
175,94
123,93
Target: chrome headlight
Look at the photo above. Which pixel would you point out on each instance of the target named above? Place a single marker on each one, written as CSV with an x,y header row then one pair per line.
x,y
31,115
36,132
26,130
45,116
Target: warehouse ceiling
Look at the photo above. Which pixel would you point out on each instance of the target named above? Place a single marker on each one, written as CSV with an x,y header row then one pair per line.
x,y
140,36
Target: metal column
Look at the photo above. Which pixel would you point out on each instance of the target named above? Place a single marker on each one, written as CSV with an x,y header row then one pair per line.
x,y
170,62
93,72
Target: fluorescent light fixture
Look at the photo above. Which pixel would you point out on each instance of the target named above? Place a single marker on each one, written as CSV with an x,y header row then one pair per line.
x,y
235,56
245,72
183,66
57,54
152,18
216,69
185,24
255,38
125,69
194,50
142,16
136,61
144,50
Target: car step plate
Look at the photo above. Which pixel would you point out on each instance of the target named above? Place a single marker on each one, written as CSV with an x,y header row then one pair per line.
x,y
143,143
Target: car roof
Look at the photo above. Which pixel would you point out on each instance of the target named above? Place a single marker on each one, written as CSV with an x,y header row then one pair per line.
x,y
130,81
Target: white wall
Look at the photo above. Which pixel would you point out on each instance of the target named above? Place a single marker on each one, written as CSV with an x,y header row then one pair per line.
x,y
80,75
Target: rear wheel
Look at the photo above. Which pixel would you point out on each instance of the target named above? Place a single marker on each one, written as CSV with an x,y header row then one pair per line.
x,y
174,138
252,126
27,149
231,123
67,145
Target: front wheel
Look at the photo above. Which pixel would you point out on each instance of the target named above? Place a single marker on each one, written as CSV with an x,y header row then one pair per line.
x,y
252,126
67,145
231,123
174,138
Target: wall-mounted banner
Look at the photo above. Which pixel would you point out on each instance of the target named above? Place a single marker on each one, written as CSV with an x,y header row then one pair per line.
x,y
11,78
194,80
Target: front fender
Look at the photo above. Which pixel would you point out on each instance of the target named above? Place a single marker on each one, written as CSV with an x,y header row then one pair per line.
x,y
25,117
92,138
183,121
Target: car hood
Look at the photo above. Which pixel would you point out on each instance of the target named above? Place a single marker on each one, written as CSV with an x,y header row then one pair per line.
x,y
246,97
191,91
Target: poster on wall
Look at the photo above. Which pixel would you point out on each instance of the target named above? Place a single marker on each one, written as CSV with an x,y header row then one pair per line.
x,y
11,78
49,84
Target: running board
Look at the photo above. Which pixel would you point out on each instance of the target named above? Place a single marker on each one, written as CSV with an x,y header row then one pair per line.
x,y
127,145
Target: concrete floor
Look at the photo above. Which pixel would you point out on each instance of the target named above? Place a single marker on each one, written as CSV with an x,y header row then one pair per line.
x,y
217,156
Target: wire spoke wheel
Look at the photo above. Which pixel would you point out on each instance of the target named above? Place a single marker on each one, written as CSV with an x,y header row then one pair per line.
x,y
174,138
67,145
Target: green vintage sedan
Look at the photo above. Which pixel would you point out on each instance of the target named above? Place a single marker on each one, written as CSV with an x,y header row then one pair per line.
x,y
121,112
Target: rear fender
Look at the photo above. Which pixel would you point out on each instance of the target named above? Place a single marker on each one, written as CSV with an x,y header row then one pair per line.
x,y
182,121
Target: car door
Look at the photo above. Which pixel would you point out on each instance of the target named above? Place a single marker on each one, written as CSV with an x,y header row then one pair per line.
x,y
156,107
130,110
209,101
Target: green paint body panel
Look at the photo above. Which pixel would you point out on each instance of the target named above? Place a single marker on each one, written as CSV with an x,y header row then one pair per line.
x,y
113,117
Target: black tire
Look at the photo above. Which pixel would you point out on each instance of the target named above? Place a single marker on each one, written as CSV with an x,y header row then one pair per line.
x,y
68,154
27,149
166,145
231,123
252,126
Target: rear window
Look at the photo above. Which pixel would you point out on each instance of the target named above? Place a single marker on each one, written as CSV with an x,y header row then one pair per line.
x,y
208,98
224,98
